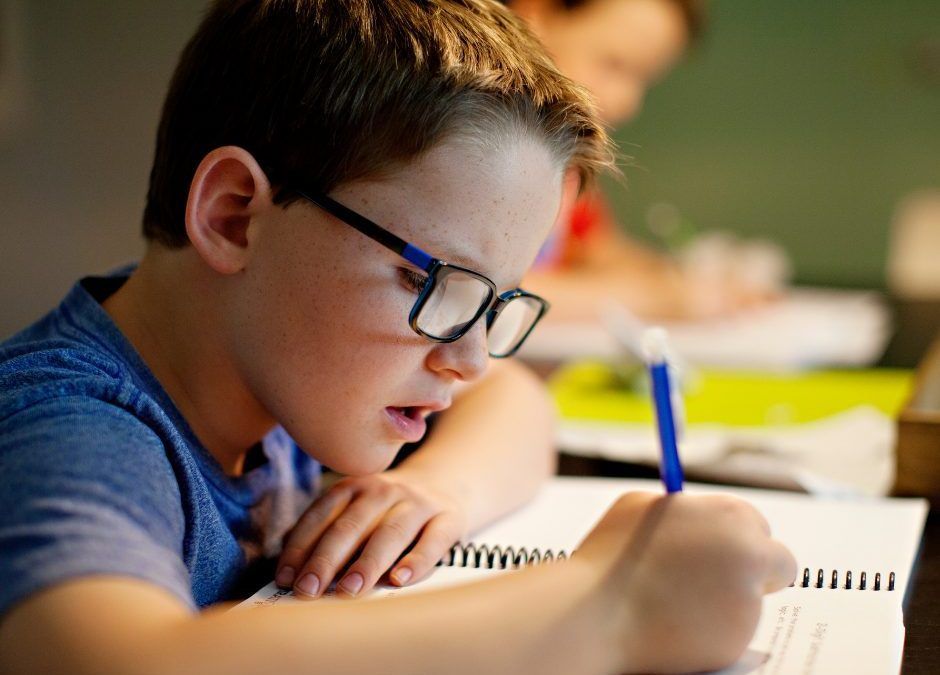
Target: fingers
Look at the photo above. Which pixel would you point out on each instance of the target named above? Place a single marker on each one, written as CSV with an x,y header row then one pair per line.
x,y
393,535
340,540
403,526
309,528
360,528
781,567
437,538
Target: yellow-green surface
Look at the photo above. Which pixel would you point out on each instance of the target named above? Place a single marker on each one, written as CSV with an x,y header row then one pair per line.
x,y
592,391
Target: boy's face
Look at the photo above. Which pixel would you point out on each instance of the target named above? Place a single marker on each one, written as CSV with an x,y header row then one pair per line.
x,y
617,49
319,321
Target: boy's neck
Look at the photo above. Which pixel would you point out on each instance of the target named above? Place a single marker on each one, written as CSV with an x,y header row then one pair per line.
x,y
166,312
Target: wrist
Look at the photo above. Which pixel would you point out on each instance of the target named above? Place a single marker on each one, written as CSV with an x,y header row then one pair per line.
x,y
444,489
600,620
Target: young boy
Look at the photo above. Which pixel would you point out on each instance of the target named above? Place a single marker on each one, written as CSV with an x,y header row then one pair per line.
x,y
311,157
618,49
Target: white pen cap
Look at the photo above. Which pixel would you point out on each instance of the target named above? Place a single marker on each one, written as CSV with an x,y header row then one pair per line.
x,y
655,344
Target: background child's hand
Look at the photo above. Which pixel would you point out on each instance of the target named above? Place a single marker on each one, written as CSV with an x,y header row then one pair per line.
x,y
684,576
367,523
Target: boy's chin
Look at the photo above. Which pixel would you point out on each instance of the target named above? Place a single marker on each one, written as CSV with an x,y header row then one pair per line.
x,y
364,461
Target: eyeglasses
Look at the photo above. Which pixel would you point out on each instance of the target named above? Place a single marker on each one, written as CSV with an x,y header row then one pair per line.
x,y
452,298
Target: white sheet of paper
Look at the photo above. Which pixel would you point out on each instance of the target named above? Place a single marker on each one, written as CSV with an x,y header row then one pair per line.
x,y
848,453
806,631
807,328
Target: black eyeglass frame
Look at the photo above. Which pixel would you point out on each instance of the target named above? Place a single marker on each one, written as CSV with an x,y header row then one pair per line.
x,y
436,269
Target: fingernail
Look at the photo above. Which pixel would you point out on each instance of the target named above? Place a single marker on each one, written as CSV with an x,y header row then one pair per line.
x,y
285,577
351,583
402,575
309,584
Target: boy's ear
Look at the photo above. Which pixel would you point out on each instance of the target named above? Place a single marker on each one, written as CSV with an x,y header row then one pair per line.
x,y
228,189
570,191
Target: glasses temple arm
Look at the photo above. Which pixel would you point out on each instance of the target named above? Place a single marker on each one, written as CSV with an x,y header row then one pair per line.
x,y
409,252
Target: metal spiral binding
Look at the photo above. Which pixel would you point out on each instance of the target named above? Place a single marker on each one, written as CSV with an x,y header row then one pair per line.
x,y
848,585
497,557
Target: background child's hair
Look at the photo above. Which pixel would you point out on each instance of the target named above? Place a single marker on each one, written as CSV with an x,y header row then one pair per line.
x,y
323,92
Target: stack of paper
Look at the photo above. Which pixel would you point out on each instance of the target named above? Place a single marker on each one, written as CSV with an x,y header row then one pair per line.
x,y
807,328
825,432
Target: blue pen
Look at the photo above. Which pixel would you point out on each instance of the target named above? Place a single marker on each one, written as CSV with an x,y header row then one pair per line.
x,y
655,344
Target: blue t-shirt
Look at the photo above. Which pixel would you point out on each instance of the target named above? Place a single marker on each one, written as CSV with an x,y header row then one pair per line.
x,y
100,474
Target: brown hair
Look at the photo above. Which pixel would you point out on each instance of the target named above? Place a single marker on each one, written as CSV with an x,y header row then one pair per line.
x,y
327,91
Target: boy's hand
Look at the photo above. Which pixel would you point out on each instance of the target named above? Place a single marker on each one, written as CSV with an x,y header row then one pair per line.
x,y
683,577
367,523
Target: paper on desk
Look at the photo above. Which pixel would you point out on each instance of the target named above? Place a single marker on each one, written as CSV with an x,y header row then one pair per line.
x,y
807,328
442,577
844,633
806,631
848,453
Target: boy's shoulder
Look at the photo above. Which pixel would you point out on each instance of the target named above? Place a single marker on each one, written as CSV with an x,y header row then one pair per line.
x,y
74,352
33,373
72,385
65,386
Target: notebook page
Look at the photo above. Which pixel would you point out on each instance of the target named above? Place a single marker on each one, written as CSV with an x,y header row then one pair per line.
x,y
811,632
803,631
871,535
800,632
442,577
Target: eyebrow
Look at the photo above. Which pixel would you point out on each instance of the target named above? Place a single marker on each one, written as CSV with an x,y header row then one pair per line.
x,y
464,261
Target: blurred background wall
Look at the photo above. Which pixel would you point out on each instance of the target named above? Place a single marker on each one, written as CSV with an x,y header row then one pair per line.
x,y
87,79
803,121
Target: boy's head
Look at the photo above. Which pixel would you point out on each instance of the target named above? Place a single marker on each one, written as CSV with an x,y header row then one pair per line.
x,y
442,122
323,92
615,48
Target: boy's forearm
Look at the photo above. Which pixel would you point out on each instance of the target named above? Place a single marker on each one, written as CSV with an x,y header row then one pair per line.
x,y
540,620
494,446
544,620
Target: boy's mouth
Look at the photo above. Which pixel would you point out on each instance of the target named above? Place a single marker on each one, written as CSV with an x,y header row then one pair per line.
x,y
408,422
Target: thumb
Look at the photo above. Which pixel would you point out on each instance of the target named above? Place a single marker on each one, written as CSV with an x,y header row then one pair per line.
x,y
781,568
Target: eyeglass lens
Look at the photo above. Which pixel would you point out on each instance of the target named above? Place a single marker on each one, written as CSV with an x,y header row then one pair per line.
x,y
454,302
511,325
457,299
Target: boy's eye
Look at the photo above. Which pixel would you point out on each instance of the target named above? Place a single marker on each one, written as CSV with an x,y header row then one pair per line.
x,y
413,281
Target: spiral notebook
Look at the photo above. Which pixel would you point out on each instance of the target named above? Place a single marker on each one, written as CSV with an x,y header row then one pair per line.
x,y
844,614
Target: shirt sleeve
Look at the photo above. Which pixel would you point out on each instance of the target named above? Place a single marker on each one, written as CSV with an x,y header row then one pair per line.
x,y
86,489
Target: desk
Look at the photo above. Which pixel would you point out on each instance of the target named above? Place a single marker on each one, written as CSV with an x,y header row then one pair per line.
x,y
916,323
922,614
922,609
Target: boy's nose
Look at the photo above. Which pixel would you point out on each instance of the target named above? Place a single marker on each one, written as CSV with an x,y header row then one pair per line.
x,y
465,359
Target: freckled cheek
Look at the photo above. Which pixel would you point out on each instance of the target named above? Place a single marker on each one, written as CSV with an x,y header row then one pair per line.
x,y
364,337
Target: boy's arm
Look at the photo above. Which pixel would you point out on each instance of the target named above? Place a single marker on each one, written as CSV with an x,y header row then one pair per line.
x,y
495,445
661,584
120,625
486,455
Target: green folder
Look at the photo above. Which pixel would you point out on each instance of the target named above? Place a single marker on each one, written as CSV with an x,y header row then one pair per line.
x,y
593,391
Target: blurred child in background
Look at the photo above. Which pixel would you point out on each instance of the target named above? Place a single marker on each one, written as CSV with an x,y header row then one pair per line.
x,y
618,49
